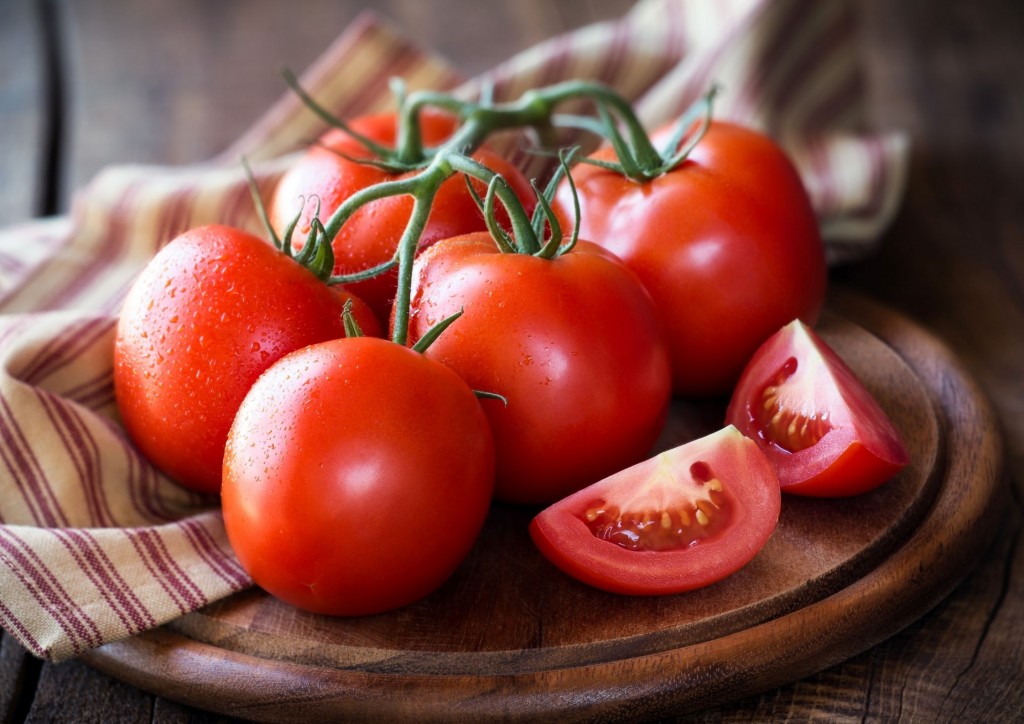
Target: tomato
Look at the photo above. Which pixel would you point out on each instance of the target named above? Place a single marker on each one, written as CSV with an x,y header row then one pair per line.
x,y
572,343
821,429
681,520
324,175
357,477
726,243
210,312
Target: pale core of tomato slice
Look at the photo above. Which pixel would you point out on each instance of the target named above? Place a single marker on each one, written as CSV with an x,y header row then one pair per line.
x,y
672,509
788,418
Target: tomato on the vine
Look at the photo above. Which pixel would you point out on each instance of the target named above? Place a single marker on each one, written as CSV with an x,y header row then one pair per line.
x,y
207,315
684,519
821,429
727,244
339,166
357,476
572,343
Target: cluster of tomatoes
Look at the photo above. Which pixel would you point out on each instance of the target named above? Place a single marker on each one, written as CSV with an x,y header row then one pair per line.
x,y
534,341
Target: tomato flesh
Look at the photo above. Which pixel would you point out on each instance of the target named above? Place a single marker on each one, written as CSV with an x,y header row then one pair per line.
x,y
681,520
821,429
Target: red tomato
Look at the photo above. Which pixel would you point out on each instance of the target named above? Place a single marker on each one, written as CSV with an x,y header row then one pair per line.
x,y
684,519
357,477
726,243
574,345
822,431
371,235
210,312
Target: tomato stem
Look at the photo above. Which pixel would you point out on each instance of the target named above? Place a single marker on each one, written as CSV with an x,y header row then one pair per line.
x,y
522,230
534,109
406,252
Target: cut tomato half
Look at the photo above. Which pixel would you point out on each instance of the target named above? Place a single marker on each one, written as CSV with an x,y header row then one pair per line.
x,y
822,431
681,520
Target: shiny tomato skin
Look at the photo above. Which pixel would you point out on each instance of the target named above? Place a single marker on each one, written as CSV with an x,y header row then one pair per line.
x,y
722,477
727,244
371,235
574,345
357,477
822,431
213,309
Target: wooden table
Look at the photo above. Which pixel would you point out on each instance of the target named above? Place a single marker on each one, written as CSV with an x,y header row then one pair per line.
x,y
173,81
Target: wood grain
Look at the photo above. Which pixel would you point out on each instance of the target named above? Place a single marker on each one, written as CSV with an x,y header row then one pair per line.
x,y
510,636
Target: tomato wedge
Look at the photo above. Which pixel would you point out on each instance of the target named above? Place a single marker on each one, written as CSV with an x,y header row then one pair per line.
x,y
820,428
681,520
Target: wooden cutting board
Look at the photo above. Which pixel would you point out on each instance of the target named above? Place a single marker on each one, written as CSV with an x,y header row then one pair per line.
x,y
510,637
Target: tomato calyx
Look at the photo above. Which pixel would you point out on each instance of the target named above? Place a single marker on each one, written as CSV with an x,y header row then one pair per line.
x,y
541,235
640,161
317,253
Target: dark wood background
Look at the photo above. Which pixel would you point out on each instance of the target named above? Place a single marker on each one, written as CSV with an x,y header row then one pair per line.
x,y
96,82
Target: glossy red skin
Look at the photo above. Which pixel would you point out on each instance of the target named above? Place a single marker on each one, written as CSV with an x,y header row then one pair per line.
x,y
371,235
208,314
727,244
573,344
357,477
562,535
862,450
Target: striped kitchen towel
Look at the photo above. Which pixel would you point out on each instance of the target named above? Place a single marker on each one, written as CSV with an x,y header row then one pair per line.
x,y
95,544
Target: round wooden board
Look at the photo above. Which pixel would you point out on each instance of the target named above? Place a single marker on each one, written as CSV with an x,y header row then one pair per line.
x,y
510,637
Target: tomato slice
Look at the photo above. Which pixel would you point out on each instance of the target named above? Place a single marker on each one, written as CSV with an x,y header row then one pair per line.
x,y
681,520
820,428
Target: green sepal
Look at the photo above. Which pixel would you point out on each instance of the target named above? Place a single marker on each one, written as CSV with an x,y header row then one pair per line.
x,y
385,165
434,332
317,255
352,329
257,200
702,107
331,119
630,167
501,238
544,213
554,241
482,395
285,244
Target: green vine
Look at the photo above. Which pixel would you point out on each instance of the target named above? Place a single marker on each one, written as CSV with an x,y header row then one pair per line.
x,y
424,170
